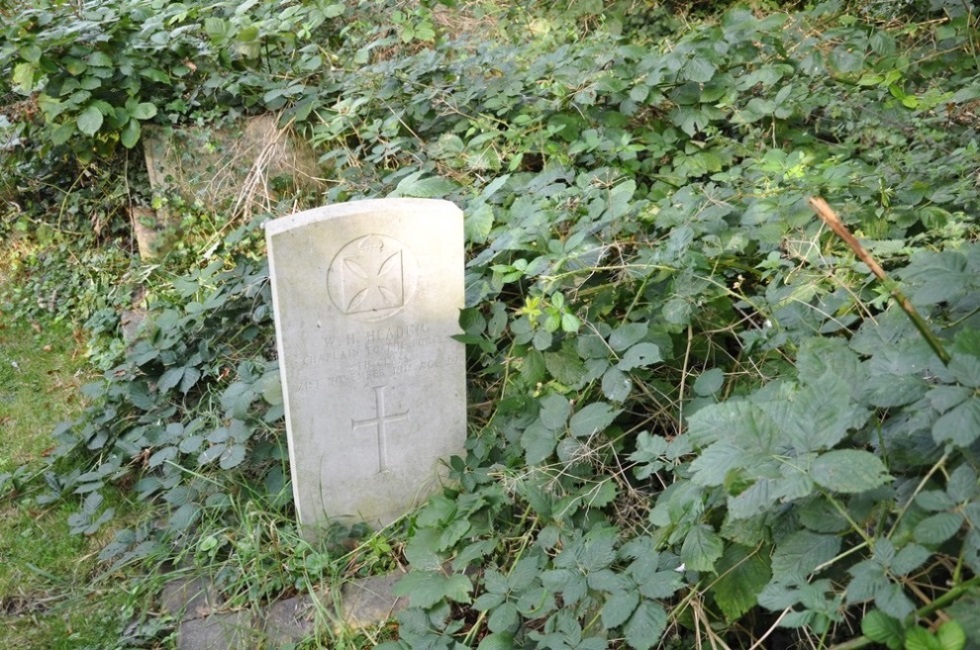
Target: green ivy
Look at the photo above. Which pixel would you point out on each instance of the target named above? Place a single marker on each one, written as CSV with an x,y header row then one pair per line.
x,y
696,417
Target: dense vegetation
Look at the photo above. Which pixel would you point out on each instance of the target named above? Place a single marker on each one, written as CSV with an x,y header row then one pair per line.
x,y
696,416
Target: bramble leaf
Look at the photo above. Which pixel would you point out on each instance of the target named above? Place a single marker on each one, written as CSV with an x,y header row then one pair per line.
x,y
849,470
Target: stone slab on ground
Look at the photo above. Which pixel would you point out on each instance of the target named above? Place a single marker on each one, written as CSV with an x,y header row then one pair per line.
x,y
188,598
289,620
369,601
231,631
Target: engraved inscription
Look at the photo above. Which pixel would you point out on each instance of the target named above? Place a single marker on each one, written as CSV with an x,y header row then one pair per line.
x,y
380,423
372,277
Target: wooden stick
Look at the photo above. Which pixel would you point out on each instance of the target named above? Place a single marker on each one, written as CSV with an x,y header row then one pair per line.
x,y
829,217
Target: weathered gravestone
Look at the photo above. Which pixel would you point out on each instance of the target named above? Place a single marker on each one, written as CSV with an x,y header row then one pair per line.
x,y
367,297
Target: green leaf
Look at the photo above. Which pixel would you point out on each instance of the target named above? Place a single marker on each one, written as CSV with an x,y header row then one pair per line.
x,y
592,419
918,638
701,548
169,379
233,456
640,355
910,558
130,134
497,641
538,442
627,335
742,574
426,588
849,470
478,223
89,121
23,78
709,382
144,111
937,528
503,617
801,553
951,635
881,628
555,410
891,599
565,366
424,188
616,385
618,607
961,425
646,626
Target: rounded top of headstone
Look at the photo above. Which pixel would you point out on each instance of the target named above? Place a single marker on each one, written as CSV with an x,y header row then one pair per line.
x,y
403,207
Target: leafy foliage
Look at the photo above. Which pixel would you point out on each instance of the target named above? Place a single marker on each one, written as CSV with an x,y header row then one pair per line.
x,y
695,414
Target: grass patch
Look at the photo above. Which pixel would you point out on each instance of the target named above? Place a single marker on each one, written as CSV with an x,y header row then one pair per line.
x,y
50,596
41,369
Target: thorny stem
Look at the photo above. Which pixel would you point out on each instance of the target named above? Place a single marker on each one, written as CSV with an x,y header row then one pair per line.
x,y
829,217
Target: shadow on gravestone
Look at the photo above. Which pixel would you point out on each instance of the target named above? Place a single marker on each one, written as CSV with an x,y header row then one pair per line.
x,y
367,297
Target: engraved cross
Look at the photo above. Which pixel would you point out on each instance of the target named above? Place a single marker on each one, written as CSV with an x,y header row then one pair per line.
x,y
380,422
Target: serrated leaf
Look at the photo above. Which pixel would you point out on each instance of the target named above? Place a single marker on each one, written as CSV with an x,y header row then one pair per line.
x,y
938,528
961,425
908,559
701,549
951,635
426,588
496,641
502,617
917,638
646,626
538,442
89,121
169,379
565,366
802,552
881,628
592,419
742,574
619,607
478,223
189,379
640,355
817,416
555,410
962,485
23,78
849,470
893,601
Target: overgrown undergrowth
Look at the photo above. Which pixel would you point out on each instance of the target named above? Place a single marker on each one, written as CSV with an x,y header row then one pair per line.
x,y
697,418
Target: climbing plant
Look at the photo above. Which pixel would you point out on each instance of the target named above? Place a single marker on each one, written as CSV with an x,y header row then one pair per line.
x,y
696,416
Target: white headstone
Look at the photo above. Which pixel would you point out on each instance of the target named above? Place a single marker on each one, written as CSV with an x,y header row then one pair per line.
x,y
367,297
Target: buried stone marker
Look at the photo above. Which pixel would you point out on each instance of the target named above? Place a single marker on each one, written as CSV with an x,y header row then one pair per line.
x,y
367,297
